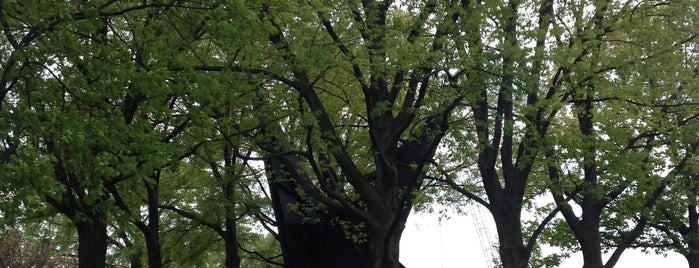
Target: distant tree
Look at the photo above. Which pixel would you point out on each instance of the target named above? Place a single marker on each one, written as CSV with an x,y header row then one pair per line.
x,y
22,251
674,222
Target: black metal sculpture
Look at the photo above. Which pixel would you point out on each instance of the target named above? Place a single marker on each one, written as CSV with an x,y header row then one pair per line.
x,y
309,239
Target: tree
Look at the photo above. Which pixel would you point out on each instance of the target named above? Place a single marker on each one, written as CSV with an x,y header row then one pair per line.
x,y
17,250
519,73
89,110
347,103
221,182
616,169
674,222
537,73
673,219
361,98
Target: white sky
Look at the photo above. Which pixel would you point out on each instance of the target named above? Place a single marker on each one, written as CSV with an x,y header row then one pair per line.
x,y
455,243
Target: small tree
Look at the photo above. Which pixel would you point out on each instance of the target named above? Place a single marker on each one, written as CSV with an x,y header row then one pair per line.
x,y
20,251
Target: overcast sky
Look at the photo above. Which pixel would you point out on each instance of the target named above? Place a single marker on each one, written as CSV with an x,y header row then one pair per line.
x,y
455,243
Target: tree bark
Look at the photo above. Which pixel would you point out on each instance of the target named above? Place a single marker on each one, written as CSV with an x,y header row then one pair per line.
x,y
513,253
152,230
230,233
92,244
587,231
384,247
693,258
92,231
590,241
153,246
692,231
230,242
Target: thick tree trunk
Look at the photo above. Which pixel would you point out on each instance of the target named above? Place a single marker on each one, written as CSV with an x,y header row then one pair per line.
x,y
506,209
92,245
230,233
325,244
513,253
154,251
693,259
591,249
587,231
384,248
588,235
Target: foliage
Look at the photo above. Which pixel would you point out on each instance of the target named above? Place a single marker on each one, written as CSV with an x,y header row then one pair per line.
x,y
18,249
152,120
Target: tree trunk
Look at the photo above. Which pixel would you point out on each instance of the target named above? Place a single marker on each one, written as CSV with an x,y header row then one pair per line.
x,y
588,235
506,209
154,252
513,253
230,233
152,232
92,245
591,249
588,232
135,261
384,247
693,259
692,231
231,245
